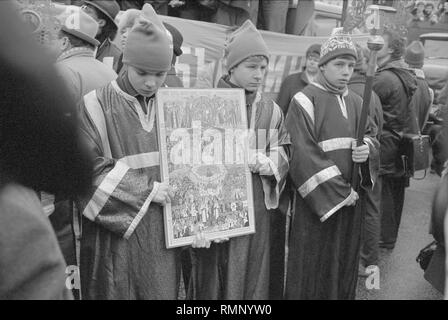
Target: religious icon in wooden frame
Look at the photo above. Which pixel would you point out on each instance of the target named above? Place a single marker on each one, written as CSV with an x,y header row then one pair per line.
x,y
203,137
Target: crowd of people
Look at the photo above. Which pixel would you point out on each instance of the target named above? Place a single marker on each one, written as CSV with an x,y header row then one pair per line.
x,y
80,145
276,16
428,11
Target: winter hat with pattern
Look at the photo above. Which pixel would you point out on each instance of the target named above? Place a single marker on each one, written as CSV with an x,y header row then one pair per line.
x,y
415,55
337,45
245,42
148,46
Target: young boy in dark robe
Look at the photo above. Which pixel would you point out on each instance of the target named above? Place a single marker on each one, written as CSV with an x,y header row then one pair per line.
x,y
240,268
325,234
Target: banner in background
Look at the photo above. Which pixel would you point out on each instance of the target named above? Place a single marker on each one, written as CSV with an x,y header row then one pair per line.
x,y
201,64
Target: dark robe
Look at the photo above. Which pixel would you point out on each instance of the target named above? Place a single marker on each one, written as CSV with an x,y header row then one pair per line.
x,y
240,268
325,234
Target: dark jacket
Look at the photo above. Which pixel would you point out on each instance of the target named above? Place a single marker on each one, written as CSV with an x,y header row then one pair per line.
x,y
421,103
357,85
395,85
109,53
31,263
292,84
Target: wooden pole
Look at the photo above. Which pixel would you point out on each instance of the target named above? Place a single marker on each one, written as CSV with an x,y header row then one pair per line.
x,y
344,11
375,44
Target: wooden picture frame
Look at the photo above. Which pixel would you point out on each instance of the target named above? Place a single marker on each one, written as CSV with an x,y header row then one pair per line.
x,y
202,138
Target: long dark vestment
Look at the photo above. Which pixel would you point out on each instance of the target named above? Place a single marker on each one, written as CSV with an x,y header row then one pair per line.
x,y
123,250
325,234
240,268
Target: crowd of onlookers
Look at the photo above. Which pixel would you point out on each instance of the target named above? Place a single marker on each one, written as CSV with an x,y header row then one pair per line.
x,y
428,11
277,16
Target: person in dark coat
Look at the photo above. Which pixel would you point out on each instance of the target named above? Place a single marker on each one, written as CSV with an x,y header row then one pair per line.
x,y
294,83
325,235
372,222
105,12
395,85
424,95
40,151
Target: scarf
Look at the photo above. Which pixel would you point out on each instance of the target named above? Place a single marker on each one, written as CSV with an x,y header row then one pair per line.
x,y
250,96
322,81
78,51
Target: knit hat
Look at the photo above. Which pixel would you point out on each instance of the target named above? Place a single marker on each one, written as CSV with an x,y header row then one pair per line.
x,y
110,8
314,49
178,39
148,46
337,45
245,42
415,55
76,22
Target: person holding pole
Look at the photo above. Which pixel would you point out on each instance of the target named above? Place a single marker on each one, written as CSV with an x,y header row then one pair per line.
x,y
323,121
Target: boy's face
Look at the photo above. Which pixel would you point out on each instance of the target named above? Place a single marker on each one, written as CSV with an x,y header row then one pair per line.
x,y
250,73
312,62
339,71
145,83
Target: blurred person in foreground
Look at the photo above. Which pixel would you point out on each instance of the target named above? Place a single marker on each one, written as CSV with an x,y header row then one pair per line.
x,y
40,151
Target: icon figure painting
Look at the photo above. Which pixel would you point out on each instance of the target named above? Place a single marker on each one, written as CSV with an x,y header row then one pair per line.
x,y
203,137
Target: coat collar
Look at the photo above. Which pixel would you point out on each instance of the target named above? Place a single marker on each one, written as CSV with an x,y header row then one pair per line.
x,y
76,52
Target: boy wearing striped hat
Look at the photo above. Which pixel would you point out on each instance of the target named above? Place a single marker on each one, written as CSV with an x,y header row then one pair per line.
x,y
325,234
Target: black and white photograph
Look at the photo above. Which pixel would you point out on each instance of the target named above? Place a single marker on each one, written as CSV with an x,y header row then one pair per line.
x,y
212,153
202,132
